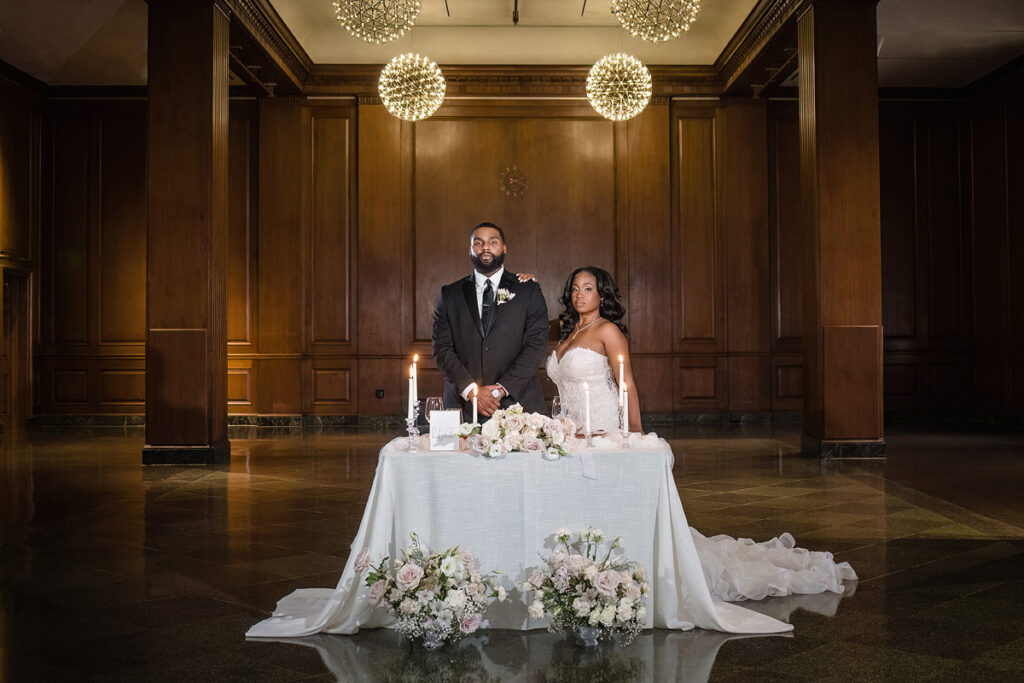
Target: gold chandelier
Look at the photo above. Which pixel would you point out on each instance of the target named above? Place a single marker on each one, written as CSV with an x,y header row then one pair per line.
x,y
376,21
411,87
656,20
619,86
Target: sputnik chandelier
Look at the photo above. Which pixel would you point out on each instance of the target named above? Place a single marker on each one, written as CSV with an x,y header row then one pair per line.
x,y
376,21
656,20
411,87
619,86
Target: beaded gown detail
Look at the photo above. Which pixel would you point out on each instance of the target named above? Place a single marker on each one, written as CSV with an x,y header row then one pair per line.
x,y
580,365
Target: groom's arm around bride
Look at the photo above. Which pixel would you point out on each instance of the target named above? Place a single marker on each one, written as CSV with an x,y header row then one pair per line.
x,y
490,330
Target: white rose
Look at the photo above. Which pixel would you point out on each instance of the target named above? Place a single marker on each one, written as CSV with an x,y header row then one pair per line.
x,y
576,563
633,591
641,614
466,558
491,429
581,606
590,571
377,591
557,557
552,453
494,450
558,438
536,421
456,599
595,617
624,613
536,610
513,442
608,615
478,444
514,422
607,582
514,409
362,561
537,578
470,623
408,577
640,572
533,445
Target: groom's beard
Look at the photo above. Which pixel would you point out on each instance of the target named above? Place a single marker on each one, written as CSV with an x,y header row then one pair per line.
x,y
490,266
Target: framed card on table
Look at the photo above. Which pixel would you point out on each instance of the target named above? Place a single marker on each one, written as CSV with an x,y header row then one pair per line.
x,y
444,427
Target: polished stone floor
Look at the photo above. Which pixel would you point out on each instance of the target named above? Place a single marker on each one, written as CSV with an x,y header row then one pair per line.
x,y
109,571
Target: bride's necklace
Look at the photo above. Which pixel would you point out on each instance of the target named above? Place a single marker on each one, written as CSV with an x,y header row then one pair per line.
x,y
581,328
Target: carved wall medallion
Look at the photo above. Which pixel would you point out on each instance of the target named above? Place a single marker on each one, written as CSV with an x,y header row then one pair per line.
x,y
513,182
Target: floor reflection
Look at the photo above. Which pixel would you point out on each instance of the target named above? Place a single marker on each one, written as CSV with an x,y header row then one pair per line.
x,y
501,655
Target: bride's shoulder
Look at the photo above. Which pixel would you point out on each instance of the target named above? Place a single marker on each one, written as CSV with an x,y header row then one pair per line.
x,y
607,328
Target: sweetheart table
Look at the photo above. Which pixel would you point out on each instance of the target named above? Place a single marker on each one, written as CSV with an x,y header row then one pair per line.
x,y
505,511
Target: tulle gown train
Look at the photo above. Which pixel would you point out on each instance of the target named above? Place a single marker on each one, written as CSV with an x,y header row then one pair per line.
x,y
734,568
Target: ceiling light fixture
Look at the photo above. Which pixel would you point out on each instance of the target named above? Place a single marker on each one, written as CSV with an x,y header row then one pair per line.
x,y
411,87
376,21
619,86
656,20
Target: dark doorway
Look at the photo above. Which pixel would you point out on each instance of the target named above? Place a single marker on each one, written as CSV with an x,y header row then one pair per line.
x,y
15,363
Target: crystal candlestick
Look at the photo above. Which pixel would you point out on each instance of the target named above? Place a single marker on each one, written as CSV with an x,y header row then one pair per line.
x,y
412,424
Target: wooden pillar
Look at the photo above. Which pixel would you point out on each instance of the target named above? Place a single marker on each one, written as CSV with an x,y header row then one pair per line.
x,y
186,324
842,271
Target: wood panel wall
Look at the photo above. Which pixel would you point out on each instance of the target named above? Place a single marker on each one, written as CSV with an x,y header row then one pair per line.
x,y
344,223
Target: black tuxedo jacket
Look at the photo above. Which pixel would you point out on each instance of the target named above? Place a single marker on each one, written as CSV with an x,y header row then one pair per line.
x,y
508,353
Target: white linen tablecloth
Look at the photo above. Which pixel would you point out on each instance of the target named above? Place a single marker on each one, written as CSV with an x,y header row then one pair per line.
x,y
505,511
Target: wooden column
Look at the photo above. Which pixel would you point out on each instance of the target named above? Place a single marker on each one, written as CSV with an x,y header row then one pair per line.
x,y
841,246
186,325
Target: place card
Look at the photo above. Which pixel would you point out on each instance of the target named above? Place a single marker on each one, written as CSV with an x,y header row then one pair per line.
x,y
444,427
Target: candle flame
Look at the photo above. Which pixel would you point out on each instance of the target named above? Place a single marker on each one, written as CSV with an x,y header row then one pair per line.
x,y
416,358
620,357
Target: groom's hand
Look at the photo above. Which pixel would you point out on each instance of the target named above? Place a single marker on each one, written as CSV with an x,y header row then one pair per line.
x,y
485,402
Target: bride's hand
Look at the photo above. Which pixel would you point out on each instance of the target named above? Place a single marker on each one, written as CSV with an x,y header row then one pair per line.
x,y
526,277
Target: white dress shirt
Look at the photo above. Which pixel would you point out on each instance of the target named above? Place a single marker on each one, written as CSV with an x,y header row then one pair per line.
x,y
481,282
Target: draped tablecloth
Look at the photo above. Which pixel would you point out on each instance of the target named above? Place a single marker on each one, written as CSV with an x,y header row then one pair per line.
x,y
505,511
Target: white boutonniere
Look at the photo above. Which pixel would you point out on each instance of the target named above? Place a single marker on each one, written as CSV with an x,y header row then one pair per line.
x,y
504,296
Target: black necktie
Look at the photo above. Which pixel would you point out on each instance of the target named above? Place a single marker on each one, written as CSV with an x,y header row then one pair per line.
x,y
488,305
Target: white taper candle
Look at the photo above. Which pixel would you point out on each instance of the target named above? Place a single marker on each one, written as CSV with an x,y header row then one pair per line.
x,y
412,393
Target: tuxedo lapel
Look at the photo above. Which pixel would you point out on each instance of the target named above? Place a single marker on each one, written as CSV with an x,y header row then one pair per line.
x,y
469,291
508,283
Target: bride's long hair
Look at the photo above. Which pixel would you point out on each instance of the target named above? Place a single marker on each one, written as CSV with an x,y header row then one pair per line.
x,y
611,305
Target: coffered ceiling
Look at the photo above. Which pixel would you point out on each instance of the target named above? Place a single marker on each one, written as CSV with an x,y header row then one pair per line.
x,y
922,43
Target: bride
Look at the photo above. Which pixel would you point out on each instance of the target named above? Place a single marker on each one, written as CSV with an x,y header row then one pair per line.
x,y
592,340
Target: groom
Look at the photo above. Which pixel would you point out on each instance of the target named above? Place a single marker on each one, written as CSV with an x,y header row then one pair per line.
x,y
490,332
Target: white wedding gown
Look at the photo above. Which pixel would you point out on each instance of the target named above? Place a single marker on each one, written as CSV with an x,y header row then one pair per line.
x,y
735,569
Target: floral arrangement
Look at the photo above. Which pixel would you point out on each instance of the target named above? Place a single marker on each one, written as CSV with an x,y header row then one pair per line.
x,y
509,430
439,596
581,584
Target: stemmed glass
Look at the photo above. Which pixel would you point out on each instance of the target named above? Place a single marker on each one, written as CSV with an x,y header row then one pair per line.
x,y
557,409
433,403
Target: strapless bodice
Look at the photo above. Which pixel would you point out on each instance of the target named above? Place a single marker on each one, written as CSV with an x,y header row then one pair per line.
x,y
578,365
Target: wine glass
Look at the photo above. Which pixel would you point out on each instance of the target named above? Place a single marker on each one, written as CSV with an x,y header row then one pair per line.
x,y
433,403
557,409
